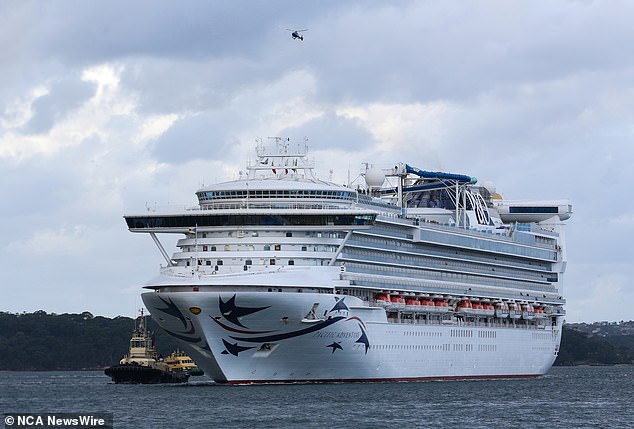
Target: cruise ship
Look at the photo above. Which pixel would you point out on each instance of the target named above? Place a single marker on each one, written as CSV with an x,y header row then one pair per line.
x,y
282,277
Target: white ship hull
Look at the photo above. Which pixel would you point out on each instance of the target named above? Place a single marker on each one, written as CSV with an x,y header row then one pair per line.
x,y
352,343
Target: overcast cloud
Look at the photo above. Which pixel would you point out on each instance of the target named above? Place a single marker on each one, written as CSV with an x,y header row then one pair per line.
x,y
108,107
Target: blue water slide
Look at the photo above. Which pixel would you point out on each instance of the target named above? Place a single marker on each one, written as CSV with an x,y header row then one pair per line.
x,y
460,178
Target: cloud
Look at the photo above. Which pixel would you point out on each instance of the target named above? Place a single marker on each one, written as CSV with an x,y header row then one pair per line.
x,y
596,300
108,107
62,98
330,130
53,244
623,220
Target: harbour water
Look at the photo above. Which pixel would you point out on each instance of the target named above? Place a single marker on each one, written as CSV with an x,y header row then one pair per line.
x,y
567,397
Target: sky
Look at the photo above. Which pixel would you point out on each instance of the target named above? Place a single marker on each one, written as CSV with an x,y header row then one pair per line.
x,y
110,107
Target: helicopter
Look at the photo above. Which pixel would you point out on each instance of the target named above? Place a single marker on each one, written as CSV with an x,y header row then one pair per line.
x,y
295,33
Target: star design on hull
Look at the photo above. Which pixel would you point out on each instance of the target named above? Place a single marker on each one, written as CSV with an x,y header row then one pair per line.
x,y
340,306
336,345
233,349
363,339
172,310
232,312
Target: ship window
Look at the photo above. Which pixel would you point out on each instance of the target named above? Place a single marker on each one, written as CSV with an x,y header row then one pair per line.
x,y
271,261
243,219
188,263
213,248
533,210
219,262
289,234
303,248
248,262
278,247
267,247
291,262
205,248
208,263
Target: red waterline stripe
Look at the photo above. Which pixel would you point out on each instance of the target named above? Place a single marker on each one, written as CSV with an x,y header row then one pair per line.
x,y
384,380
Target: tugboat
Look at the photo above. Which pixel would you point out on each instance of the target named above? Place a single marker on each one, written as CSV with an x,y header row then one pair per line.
x,y
142,365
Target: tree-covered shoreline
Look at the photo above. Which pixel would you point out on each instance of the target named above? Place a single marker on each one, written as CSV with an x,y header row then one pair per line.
x,y
43,341
48,341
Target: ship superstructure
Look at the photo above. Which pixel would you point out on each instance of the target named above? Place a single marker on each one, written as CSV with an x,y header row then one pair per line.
x,y
283,277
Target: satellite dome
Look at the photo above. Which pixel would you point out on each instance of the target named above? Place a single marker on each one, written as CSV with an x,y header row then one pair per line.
x,y
489,186
374,177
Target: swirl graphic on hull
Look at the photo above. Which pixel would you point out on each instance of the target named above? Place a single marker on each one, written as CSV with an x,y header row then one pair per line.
x,y
232,312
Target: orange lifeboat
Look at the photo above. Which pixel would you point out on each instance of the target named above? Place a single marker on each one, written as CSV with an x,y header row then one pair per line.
x,y
398,301
528,312
514,311
539,312
412,301
440,305
501,310
427,302
464,306
382,298
488,309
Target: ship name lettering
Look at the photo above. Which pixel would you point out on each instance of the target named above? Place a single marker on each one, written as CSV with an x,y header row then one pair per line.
x,y
344,334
